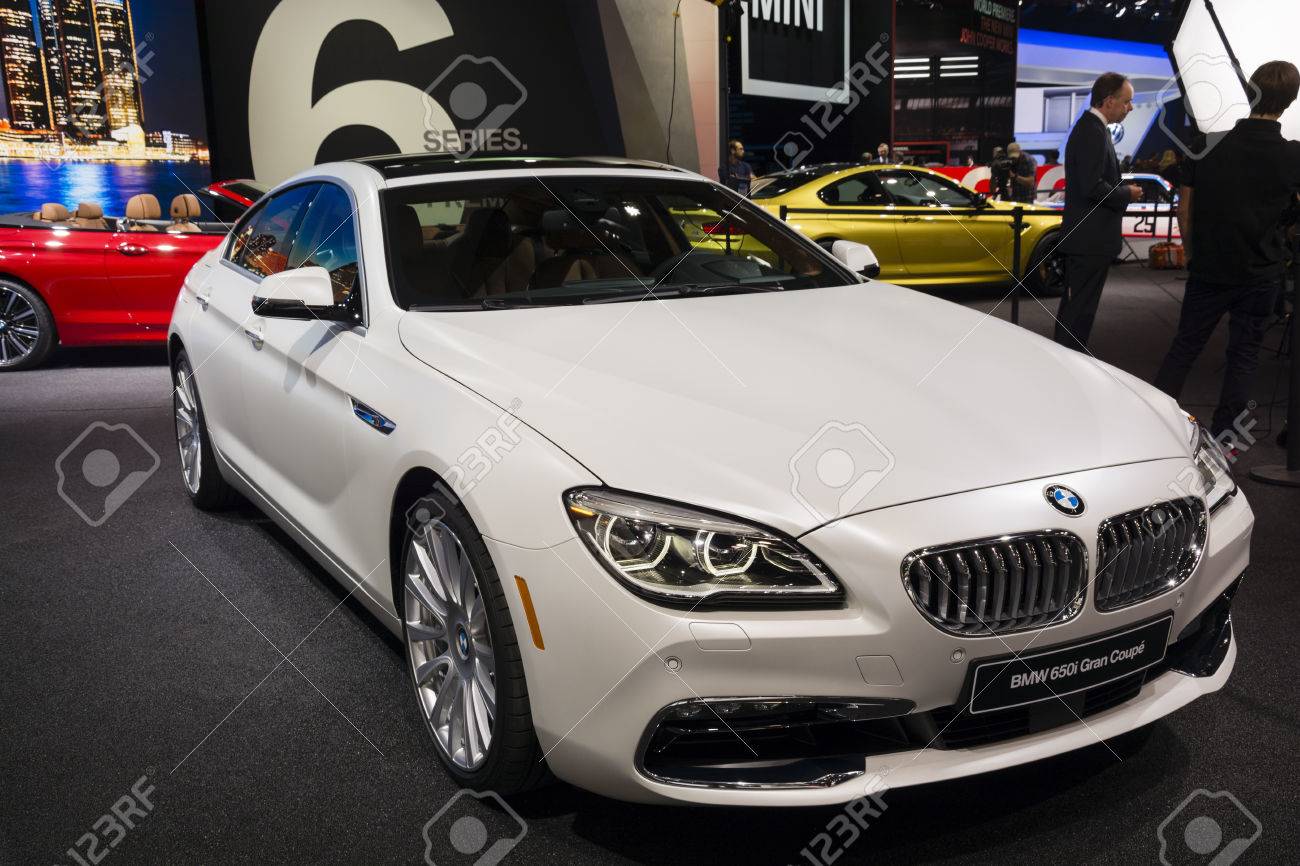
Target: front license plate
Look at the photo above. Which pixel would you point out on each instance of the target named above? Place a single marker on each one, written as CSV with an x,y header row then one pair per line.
x,y
1027,679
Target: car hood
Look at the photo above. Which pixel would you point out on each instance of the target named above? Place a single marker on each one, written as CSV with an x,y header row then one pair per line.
x,y
796,408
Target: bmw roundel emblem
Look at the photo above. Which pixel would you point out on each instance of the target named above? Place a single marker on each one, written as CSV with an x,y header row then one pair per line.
x,y
1064,500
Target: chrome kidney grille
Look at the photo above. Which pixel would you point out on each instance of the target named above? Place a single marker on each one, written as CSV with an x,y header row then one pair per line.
x,y
1151,550
999,585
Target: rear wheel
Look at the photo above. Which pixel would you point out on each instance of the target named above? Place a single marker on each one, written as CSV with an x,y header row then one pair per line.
x,y
463,655
199,470
26,327
1046,275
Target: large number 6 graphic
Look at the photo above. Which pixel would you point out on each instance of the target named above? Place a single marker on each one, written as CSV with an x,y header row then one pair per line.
x,y
285,130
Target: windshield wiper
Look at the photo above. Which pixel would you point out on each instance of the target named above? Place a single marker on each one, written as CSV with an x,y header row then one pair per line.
x,y
480,304
685,290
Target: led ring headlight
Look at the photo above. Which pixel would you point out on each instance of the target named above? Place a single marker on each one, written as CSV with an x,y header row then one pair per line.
x,y
675,554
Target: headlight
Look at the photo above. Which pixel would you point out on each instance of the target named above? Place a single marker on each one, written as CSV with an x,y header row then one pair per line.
x,y
675,554
1213,471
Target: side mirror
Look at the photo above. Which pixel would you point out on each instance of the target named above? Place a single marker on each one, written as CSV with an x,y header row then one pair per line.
x,y
857,257
301,293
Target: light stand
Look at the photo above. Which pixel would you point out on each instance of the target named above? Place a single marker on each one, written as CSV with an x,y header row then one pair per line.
x,y
1288,474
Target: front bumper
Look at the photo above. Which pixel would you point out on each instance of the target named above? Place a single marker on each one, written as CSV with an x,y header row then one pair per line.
x,y
613,662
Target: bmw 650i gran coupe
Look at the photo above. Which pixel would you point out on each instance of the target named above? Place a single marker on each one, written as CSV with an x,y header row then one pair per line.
x,y
670,502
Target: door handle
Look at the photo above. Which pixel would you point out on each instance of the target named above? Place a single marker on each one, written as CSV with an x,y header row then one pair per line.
x,y
203,300
911,219
127,248
254,337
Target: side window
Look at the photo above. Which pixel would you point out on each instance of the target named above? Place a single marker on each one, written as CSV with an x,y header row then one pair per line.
x,y
262,244
328,239
911,189
862,189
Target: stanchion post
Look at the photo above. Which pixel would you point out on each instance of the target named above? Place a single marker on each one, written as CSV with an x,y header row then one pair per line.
x,y
1017,228
1288,475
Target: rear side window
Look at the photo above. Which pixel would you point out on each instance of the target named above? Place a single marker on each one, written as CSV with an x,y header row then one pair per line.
x,y
861,189
328,239
262,245
913,189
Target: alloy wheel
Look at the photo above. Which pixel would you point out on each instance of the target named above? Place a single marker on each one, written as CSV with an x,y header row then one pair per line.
x,y
449,645
188,438
1051,274
19,327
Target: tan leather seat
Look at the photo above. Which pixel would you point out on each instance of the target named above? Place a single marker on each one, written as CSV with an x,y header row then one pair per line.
x,y
573,243
503,262
51,213
185,207
142,207
89,216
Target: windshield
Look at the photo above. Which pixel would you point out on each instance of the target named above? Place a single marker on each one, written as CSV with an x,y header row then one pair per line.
x,y
553,239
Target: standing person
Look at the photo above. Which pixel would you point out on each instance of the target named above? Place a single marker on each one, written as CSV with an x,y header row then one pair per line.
x,y
883,155
1023,174
1095,202
1233,205
999,174
736,173
1168,168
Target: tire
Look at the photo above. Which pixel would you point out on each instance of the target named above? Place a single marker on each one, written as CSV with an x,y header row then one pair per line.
x,y
456,648
200,474
26,328
1046,278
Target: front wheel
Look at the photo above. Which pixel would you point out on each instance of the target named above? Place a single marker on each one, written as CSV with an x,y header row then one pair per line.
x,y
199,470
1046,274
463,656
26,328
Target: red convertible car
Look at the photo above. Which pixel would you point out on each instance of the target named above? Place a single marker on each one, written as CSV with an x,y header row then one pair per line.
x,y
82,279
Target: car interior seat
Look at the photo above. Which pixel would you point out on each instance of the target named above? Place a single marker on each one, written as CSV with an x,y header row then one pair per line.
x,y
89,216
142,207
184,209
51,213
503,262
414,262
572,242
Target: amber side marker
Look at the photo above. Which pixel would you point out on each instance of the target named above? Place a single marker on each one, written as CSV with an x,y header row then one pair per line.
x,y
529,612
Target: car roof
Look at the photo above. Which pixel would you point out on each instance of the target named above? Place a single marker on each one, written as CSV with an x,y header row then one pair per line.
x,y
405,165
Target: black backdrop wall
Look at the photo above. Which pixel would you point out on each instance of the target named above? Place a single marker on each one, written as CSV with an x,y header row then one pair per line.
x,y
777,104
294,82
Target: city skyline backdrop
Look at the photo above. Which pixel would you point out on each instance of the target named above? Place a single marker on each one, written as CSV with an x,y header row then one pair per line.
x,y
69,77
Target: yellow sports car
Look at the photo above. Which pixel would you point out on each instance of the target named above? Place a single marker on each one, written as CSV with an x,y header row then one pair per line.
x,y
901,213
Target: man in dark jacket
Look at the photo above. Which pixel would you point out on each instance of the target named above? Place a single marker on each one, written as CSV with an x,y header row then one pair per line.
x,y
736,173
1232,209
1095,202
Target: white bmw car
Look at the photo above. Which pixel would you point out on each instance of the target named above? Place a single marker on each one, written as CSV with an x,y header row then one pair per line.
x,y
667,501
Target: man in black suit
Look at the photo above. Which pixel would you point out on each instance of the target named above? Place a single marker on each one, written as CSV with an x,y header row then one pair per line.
x,y
1095,202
